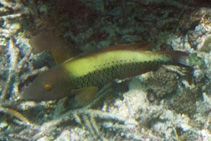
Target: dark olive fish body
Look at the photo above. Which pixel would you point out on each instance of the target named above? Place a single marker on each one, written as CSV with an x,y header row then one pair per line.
x,y
87,73
119,71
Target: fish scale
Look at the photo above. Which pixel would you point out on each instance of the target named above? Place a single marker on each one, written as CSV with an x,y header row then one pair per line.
x,y
107,74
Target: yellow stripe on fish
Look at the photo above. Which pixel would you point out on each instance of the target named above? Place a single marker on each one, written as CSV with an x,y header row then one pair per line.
x,y
83,66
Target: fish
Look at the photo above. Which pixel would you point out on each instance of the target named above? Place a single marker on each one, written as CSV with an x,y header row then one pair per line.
x,y
83,76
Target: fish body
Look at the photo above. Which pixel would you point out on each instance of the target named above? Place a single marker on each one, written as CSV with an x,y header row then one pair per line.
x,y
96,69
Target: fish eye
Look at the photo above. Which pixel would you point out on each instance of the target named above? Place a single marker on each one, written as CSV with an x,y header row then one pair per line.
x,y
47,86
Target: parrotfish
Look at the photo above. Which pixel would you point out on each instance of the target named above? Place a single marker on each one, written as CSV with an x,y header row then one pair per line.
x,y
84,75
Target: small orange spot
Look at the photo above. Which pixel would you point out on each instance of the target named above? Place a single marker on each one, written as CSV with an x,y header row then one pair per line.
x,y
47,86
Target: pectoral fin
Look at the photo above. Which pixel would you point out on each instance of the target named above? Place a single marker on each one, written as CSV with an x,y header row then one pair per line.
x,y
85,95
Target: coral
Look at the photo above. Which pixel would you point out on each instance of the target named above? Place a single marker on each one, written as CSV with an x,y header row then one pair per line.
x,y
15,113
184,102
206,44
161,105
190,21
162,83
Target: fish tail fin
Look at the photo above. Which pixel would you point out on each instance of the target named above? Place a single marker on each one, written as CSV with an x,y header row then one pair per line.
x,y
179,57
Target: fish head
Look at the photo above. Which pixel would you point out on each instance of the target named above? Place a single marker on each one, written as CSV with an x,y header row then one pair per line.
x,y
49,85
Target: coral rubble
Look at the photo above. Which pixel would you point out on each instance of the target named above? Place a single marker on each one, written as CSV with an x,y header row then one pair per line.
x,y
167,104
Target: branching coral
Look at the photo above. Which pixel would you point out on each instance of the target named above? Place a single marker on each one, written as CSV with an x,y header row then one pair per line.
x,y
11,15
157,114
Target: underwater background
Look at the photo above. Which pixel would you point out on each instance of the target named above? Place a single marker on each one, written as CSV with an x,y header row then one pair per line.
x,y
172,103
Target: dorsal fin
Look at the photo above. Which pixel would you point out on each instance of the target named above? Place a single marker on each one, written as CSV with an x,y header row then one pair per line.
x,y
135,46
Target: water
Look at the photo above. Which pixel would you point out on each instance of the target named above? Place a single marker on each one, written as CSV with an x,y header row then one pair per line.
x,y
165,104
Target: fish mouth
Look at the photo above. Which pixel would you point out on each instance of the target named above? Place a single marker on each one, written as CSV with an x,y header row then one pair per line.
x,y
24,95
27,95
